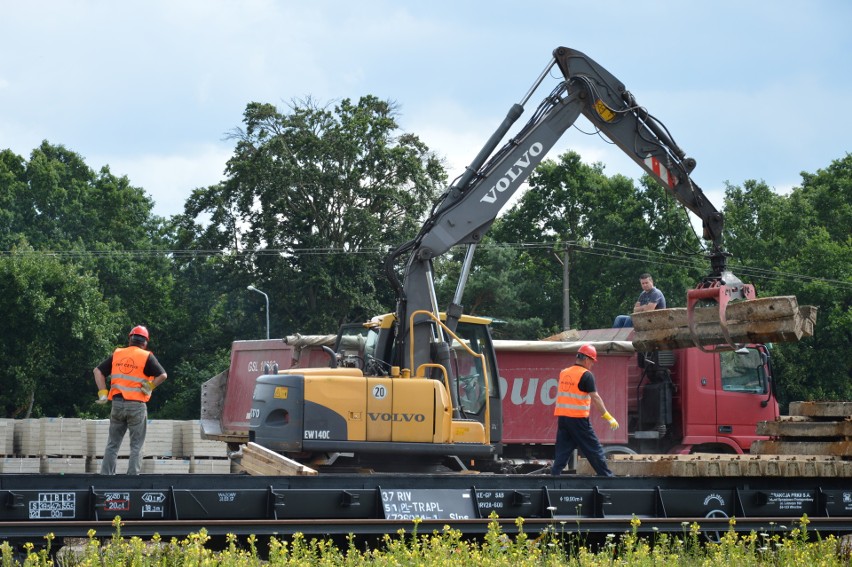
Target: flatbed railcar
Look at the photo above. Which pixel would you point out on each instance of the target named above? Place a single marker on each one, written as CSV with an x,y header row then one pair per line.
x,y
69,505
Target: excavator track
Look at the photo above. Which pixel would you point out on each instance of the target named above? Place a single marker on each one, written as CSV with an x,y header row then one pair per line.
x,y
763,320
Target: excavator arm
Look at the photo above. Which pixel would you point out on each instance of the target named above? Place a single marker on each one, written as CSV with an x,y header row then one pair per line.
x,y
470,205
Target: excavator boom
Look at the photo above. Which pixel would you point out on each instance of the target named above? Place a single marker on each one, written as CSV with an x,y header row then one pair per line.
x,y
469,206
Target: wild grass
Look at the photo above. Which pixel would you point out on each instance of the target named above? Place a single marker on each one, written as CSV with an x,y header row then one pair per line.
x,y
448,547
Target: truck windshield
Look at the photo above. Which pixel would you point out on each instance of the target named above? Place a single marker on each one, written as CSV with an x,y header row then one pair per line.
x,y
743,371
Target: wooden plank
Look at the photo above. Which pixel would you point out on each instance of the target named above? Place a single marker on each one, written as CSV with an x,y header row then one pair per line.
x,y
821,409
786,429
261,461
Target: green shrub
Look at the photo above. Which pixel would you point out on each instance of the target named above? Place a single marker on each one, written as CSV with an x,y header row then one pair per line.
x,y
555,546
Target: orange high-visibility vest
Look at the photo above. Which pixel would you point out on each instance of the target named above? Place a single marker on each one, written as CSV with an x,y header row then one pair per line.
x,y
128,373
570,400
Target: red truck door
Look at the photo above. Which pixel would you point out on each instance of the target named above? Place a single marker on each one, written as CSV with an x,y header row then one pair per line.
x,y
723,398
743,396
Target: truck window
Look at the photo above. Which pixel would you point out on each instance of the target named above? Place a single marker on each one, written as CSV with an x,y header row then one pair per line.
x,y
743,371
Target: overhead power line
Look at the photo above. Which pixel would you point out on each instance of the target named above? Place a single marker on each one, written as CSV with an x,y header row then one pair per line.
x,y
595,248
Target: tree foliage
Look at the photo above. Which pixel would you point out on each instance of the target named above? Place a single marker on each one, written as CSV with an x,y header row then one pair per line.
x,y
313,199
55,324
801,244
82,249
608,231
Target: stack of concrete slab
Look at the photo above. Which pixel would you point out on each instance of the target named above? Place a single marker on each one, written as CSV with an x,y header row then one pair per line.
x,y
63,465
27,437
15,465
9,462
195,446
165,466
61,436
7,437
762,320
812,428
164,438
69,445
62,445
705,465
209,465
97,435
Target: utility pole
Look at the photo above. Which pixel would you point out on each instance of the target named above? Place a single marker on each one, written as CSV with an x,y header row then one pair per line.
x,y
566,285
566,290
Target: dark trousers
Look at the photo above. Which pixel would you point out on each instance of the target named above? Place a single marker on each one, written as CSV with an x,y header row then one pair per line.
x,y
577,433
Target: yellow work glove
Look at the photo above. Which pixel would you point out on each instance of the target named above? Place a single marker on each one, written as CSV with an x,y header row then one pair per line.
x,y
102,397
612,423
147,387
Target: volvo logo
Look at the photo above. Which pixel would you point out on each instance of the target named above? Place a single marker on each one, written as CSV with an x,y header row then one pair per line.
x,y
513,173
397,417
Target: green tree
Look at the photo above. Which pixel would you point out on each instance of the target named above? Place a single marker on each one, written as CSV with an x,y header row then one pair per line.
x,y
800,244
609,231
96,224
56,328
313,199
493,289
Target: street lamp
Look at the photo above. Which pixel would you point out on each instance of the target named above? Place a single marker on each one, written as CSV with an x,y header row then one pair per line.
x,y
252,288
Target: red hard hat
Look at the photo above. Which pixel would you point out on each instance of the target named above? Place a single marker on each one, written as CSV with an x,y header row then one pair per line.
x,y
139,330
589,351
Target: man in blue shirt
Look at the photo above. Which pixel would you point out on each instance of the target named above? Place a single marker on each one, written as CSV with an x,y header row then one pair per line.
x,y
651,298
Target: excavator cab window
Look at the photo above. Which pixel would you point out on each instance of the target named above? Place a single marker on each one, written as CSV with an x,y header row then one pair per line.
x,y
468,368
743,370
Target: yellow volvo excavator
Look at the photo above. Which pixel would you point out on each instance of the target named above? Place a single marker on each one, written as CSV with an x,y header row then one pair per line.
x,y
398,389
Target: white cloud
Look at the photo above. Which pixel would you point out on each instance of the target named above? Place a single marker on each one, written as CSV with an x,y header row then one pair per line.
x,y
170,179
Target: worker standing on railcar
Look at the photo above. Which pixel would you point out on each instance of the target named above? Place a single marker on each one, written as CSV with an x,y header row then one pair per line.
x,y
577,393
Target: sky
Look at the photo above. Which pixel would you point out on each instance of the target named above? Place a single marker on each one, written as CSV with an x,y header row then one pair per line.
x,y
154,89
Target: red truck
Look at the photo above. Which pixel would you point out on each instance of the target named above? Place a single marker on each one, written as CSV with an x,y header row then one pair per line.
x,y
678,401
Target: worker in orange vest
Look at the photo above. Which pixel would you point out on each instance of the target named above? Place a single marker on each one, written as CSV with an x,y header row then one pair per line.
x,y
576,394
134,372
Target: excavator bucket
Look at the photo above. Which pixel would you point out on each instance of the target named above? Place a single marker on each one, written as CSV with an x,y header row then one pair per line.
x,y
710,322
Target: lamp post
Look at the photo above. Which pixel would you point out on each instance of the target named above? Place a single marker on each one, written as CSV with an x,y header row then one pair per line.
x,y
252,288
